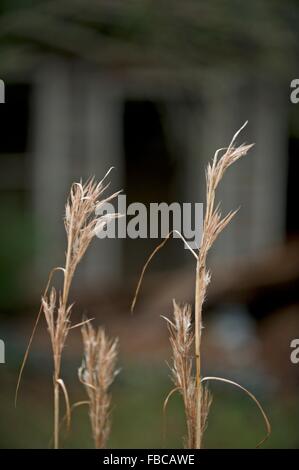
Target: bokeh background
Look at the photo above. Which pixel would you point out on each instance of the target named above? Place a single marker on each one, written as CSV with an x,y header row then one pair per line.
x,y
152,88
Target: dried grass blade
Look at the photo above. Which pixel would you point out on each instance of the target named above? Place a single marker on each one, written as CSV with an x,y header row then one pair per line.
x,y
165,404
67,403
231,382
33,334
81,323
151,256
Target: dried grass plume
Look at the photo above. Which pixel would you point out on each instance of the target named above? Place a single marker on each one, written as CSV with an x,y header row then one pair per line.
x,y
97,373
181,340
81,224
196,397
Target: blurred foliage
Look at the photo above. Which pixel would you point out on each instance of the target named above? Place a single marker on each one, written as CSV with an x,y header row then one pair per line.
x,y
256,35
12,5
138,396
16,248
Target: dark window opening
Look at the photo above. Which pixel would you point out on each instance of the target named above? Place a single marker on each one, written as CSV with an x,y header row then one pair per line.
x,y
16,236
150,171
148,163
14,119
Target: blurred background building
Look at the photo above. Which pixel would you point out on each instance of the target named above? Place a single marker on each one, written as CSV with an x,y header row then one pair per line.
x,y
153,89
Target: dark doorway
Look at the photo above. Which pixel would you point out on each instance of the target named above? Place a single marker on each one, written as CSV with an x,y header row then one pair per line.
x,y
150,174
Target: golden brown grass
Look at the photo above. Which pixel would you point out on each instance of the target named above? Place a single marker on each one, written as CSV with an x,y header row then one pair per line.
x,y
214,223
181,340
97,373
81,224
196,396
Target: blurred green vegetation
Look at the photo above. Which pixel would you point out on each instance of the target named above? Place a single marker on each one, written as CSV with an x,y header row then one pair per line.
x,y
16,248
11,5
176,34
138,395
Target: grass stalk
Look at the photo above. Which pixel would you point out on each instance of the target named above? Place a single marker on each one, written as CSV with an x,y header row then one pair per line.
x,y
81,225
198,328
213,225
56,414
196,397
